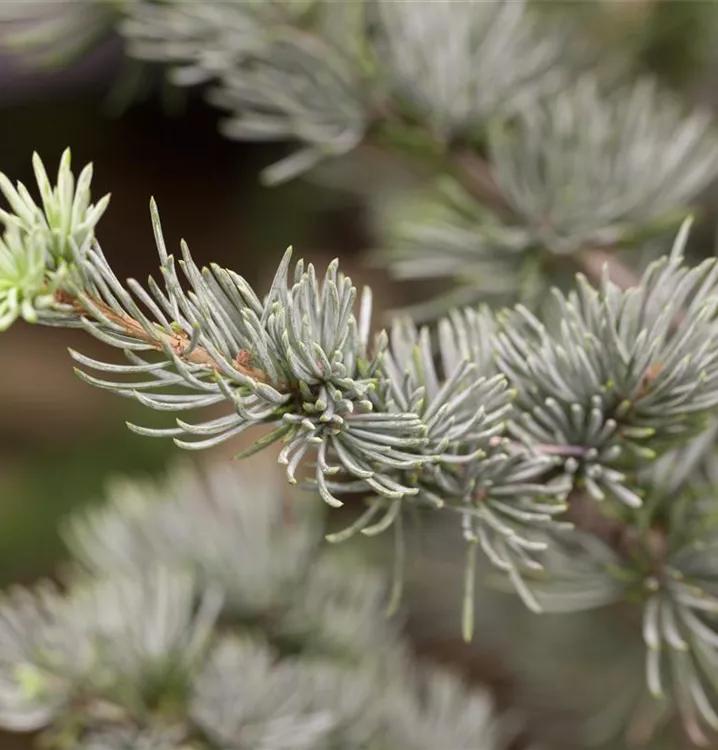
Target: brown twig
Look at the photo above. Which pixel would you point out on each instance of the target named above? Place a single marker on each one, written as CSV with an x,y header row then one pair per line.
x,y
478,178
593,260
545,448
560,450
178,341
624,538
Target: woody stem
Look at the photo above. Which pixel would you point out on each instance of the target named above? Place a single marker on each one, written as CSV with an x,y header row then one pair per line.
x,y
178,341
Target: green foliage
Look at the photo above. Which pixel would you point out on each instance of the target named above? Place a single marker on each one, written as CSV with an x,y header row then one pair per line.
x,y
38,240
23,261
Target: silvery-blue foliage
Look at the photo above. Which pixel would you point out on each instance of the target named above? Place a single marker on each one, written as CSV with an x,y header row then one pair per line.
x,y
132,738
439,715
284,70
140,649
410,417
514,425
621,372
375,417
299,359
238,547
459,64
366,711
443,233
269,707
269,570
595,168
321,73
672,573
56,32
42,652
584,169
121,641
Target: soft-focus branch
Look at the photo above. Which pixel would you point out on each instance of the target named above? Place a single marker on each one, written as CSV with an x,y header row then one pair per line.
x,y
476,176
593,260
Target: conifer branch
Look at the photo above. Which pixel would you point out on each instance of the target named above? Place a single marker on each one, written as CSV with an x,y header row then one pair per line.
x,y
477,178
191,616
541,437
178,342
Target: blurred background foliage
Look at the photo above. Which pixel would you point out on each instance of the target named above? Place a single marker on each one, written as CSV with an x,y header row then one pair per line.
x,y
60,441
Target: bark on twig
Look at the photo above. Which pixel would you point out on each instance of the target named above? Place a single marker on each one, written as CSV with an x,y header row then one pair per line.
x,y
178,341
